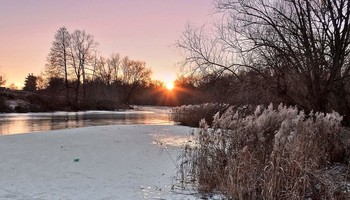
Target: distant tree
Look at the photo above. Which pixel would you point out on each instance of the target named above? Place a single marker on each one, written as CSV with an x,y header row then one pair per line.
x,y
30,83
157,84
186,90
81,56
101,71
134,74
74,59
41,82
13,86
114,63
187,82
125,69
3,106
2,81
59,56
56,84
106,69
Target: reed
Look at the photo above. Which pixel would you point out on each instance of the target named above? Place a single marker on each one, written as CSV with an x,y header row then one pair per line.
x,y
278,153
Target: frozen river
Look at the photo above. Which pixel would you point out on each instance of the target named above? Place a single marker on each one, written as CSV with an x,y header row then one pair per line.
x,y
15,123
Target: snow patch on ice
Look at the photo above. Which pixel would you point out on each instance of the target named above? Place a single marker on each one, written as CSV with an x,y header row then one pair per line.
x,y
115,162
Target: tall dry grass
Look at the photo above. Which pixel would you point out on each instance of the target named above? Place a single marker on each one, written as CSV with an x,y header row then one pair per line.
x,y
190,115
271,154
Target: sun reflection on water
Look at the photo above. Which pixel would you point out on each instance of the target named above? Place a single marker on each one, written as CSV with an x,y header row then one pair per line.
x,y
34,122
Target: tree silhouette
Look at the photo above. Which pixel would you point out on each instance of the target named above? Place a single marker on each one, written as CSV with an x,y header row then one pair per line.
x,y
30,83
58,57
134,74
82,55
107,69
300,49
2,81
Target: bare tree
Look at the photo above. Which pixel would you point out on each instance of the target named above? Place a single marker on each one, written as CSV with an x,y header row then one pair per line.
x,y
134,74
107,69
114,63
58,57
102,71
81,55
125,68
301,48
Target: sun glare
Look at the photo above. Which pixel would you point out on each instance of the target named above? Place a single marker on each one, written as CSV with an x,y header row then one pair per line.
x,y
169,85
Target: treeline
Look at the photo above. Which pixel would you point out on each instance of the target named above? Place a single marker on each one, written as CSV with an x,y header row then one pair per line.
x,y
77,77
114,93
52,94
84,79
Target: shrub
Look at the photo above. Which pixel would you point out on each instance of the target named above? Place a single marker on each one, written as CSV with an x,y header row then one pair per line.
x,y
190,115
3,106
271,154
21,108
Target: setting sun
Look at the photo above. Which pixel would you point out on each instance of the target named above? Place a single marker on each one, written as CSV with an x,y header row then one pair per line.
x,y
169,85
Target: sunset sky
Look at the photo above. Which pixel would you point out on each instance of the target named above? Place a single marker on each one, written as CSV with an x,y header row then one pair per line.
x,y
141,29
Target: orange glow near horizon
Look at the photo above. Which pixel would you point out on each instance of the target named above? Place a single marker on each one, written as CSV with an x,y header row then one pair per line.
x,y
14,86
169,85
142,30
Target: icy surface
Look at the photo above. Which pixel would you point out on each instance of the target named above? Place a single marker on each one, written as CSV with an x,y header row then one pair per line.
x,y
101,162
14,123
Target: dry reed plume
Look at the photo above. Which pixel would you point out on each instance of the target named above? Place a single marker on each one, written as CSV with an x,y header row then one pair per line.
x,y
278,153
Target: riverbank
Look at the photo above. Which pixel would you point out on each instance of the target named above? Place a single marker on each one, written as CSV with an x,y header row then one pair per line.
x,y
101,162
15,123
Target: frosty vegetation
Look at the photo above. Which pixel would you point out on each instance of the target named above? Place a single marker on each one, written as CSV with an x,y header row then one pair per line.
x,y
190,115
291,51
280,153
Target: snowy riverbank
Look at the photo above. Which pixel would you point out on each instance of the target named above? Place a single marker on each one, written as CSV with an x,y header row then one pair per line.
x,y
102,162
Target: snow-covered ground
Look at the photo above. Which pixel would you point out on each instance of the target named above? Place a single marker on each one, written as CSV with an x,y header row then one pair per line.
x,y
102,162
